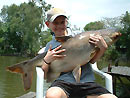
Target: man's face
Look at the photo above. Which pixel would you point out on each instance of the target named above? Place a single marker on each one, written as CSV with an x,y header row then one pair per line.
x,y
58,26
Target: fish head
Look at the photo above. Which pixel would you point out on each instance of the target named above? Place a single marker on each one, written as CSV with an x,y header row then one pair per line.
x,y
112,35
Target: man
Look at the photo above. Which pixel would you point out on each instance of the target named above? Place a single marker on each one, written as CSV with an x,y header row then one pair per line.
x,y
65,86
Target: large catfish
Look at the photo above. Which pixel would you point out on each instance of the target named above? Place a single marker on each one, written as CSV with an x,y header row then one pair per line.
x,y
78,52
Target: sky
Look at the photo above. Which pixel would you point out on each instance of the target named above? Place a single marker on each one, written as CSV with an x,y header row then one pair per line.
x,y
82,12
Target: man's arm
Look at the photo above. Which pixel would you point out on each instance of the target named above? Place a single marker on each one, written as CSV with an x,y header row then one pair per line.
x,y
98,55
45,68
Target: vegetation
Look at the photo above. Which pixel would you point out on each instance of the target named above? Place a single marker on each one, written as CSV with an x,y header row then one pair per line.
x,y
21,28
94,26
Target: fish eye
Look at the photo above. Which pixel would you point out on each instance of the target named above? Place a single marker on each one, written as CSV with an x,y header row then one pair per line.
x,y
25,74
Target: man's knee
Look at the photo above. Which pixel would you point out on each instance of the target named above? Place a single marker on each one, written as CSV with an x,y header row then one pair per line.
x,y
55,92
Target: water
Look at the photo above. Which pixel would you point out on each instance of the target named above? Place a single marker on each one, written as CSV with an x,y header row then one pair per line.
x,y
11,85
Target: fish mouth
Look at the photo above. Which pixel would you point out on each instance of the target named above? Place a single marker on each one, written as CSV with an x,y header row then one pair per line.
x,y
115,36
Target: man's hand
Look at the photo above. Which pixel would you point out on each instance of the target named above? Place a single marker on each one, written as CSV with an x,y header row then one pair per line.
x,y
54,54
98,41
101,44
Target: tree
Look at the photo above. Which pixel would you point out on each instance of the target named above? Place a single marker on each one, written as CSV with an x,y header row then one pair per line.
x,y
1,37
24,24
94,26
123,44
112,22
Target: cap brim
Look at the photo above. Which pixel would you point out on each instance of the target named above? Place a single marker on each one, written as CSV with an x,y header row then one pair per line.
x,y
55,16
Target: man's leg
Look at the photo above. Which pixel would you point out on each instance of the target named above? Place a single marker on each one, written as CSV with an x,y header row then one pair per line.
x,y
55,92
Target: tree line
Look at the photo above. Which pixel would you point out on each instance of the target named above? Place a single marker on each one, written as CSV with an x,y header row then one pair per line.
x,y
21,30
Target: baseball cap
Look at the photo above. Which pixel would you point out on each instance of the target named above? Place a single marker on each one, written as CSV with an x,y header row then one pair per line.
x,y
54,13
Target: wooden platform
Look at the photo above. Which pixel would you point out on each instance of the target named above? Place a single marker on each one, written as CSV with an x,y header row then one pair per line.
x,y
117,72
28,95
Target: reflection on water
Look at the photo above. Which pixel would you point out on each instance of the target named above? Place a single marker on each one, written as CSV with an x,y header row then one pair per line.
x,y
11,85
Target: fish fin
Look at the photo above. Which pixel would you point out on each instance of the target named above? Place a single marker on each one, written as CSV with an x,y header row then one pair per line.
x,y
77,73
63,38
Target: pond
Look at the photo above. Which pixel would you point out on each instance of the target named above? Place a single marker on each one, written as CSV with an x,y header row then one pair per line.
x,y
11,85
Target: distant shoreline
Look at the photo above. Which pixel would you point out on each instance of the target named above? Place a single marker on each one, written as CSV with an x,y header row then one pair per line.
x,y
18,55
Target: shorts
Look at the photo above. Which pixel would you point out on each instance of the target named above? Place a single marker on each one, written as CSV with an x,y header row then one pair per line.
x,y
80,90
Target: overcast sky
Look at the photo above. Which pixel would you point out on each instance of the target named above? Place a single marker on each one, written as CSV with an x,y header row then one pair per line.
x,y
82,12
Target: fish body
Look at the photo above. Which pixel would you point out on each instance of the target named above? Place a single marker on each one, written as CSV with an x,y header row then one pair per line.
x,y
78,52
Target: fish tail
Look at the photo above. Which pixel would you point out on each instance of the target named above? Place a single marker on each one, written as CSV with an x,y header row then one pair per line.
x,y
15,69
26,72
